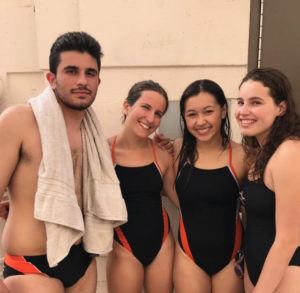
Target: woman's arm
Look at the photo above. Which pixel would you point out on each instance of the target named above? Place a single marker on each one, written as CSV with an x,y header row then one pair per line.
x,y
169,184
169,176
239,161
284,176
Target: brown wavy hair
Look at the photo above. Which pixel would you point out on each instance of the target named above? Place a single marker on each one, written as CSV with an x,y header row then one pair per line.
x,y
284,127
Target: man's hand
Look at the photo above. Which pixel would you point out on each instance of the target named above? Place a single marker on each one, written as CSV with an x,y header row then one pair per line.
x,y
4,209
164,142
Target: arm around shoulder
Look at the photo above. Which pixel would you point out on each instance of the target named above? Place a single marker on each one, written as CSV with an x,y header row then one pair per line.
x,y
177,147
167,160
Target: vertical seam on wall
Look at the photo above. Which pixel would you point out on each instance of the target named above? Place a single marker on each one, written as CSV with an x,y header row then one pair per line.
x,y
261,19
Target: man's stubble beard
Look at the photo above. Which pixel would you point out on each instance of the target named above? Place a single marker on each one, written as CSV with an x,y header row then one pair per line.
x,y
81,107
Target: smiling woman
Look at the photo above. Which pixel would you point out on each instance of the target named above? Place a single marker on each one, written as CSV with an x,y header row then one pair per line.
x,y
143,247
271,130
209,168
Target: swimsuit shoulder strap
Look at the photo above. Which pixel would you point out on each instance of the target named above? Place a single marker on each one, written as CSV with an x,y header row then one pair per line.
x,y
113,147
230,163
155,156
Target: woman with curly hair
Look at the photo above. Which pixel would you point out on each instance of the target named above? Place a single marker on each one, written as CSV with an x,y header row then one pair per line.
x,y
271,131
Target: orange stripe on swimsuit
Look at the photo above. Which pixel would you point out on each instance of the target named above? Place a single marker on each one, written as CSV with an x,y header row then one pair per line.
x,y
18,263
211,233
184,240
148,226
166,225
123,239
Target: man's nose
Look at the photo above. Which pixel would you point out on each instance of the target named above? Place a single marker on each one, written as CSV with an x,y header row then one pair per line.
x,y
81,79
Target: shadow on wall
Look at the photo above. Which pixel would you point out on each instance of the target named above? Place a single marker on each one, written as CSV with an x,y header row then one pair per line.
x,y
2,104
170,125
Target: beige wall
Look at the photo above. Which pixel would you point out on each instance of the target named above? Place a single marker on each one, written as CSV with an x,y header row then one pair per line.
x,y
171,41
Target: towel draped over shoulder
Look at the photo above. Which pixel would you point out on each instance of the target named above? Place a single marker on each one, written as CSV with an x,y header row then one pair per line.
x,y
55,200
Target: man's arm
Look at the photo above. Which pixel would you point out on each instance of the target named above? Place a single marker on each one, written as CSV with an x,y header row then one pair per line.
x,y
4,209
11,121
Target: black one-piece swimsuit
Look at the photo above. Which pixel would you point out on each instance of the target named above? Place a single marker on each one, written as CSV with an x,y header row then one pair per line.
x,y
148,224
260,231
209,232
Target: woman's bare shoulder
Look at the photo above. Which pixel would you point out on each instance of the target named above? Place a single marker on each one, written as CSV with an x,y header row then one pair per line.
x,y
238,150
177,146
111,140
288,150
161,153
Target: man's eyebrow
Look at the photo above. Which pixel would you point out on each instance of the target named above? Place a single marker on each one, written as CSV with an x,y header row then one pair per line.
x,y
70,67
92,69
251,98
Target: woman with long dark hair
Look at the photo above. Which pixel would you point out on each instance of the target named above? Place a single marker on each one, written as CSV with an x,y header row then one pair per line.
x,y
209,169
271,130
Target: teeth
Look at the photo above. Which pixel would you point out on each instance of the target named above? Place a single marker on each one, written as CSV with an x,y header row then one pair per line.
x,y
202,130
144,125
247,121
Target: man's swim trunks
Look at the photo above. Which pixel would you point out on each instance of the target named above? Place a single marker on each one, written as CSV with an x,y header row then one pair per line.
x,y
69,270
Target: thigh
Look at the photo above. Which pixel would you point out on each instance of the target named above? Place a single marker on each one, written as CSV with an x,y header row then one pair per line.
x,y
33,284
227,280
88,282
291,281
124,272
247,282
188,276
158,275
3,287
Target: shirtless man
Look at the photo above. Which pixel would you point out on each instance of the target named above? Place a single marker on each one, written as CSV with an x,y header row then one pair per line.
x,y
74,78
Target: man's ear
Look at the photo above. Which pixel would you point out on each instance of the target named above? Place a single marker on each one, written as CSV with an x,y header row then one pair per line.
x,y
282,108
51,79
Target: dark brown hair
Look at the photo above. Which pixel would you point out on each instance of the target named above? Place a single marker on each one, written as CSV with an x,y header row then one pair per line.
x,y
285,126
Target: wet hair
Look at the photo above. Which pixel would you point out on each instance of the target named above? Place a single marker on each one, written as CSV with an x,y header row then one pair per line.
x,y
74,41
284,126
188,151
146,85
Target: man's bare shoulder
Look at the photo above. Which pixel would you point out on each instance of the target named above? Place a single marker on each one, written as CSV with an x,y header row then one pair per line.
x,y
17,126
17,123
17,115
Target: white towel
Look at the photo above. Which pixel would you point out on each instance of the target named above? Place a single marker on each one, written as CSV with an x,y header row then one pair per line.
x,y
55,200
